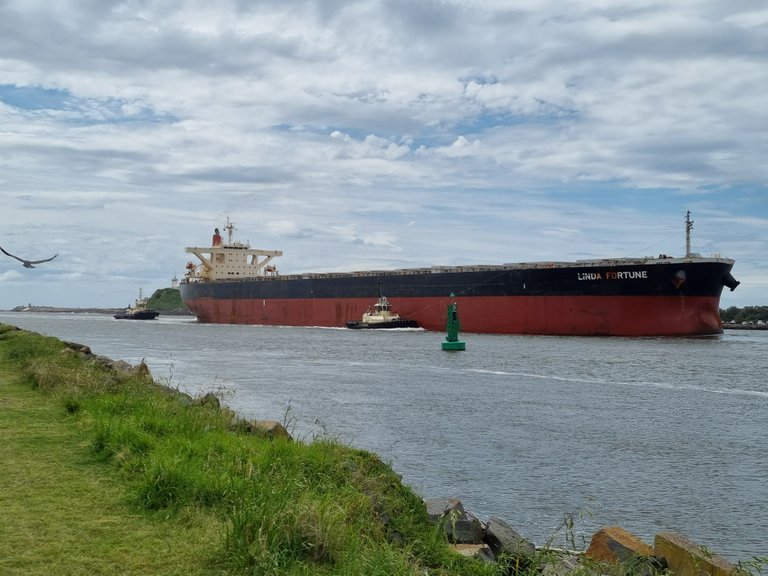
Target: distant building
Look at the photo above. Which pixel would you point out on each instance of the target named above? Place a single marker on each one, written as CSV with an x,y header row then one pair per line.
x,y
174,282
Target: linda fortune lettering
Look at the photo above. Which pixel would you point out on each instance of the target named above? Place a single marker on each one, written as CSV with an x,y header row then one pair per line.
x,y
612,275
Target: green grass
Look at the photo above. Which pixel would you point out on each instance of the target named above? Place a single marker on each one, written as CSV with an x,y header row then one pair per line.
x,y
62,513
107,472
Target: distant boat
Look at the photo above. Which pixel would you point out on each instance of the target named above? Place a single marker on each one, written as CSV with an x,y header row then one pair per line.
x,y
382,316
138,311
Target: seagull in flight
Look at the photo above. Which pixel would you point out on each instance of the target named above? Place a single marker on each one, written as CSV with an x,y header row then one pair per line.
x,y
28,263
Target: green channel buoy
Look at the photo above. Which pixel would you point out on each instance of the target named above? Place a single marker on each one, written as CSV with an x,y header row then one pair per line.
x,y
452,341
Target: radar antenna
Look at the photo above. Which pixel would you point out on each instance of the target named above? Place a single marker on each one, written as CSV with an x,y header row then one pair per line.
x,y
688,228
230,228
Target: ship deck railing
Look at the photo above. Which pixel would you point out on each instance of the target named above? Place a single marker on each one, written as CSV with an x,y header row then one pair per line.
x,y
586,263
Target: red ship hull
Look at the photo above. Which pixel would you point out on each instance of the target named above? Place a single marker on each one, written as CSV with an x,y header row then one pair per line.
x,y
554,315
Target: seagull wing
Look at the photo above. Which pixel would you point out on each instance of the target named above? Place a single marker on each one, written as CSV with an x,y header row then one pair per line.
x,y
41,261
11,255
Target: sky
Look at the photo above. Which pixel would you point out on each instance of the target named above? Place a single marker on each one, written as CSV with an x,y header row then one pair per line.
x,y
376,134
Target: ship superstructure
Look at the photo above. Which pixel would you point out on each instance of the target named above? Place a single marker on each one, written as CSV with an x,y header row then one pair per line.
x,y
229,261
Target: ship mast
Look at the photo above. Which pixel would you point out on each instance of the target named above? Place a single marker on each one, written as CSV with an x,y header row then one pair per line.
x,y
688,228
230,227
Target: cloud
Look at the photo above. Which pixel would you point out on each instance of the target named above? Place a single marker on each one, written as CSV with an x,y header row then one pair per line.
x,y
370,132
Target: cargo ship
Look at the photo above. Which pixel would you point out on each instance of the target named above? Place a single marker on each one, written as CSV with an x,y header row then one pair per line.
x,y
233,283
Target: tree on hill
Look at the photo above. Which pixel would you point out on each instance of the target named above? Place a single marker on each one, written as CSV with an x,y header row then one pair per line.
x,y
166,299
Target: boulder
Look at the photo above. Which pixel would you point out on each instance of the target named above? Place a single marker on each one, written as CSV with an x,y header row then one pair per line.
x,y
685,558
461,527
478,551
437,508
82,348
560,564
142,370
614,545
267,428
120,366
503,539
209,399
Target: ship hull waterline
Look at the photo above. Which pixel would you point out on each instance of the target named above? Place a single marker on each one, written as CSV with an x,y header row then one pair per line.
x,y
564,315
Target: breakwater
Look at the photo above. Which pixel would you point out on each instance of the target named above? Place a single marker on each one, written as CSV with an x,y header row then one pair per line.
x,y
105,311
735,326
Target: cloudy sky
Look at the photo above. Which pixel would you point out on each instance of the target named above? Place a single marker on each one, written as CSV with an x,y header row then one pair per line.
x,y
376,133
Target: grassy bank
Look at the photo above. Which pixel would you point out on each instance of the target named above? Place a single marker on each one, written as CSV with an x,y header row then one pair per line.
x,y
103,471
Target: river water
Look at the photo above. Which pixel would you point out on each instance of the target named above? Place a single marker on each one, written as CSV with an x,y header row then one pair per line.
x,y
652,434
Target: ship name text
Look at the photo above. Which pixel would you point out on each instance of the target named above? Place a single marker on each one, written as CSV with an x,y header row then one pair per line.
x,y
613,275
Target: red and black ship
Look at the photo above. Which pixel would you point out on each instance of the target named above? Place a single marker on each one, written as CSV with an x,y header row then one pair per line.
x,y
650,296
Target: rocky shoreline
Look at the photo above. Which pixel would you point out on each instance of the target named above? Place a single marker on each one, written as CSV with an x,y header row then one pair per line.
x,y
495,541
734,326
